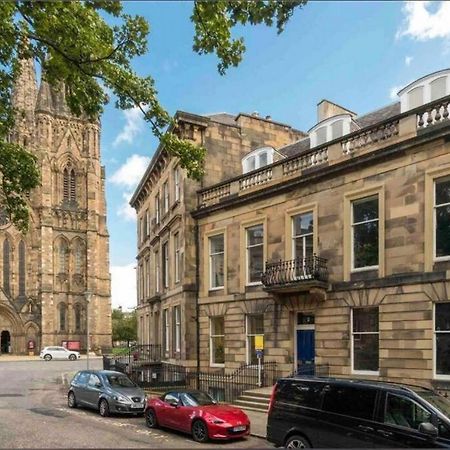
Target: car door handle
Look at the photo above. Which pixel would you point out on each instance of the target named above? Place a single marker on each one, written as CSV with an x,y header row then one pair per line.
x,y
365,429
385,433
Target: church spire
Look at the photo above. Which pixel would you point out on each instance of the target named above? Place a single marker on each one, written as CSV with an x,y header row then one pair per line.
x,y
25,88
45,98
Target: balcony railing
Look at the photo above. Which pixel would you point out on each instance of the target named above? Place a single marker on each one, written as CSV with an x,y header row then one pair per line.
x,y
285,274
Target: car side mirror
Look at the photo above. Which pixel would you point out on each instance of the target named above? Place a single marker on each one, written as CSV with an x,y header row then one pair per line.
x,y
429,429
98,385
174,403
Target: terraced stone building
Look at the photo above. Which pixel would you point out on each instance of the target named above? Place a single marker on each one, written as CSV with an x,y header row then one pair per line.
x,y
334,248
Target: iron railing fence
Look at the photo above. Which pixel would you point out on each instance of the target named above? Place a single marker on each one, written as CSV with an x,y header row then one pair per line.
x,y
281,273
227,387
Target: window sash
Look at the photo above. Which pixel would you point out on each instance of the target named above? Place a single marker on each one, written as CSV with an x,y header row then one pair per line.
x,y
177,257
166,330
251,334
217,341
177,183
166,197
165,256
367,342
362,252
177,323
441,338
157,272
157,209
216,264
255,256
441,228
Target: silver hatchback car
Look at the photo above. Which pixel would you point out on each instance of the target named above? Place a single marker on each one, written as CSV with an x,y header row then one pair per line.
x,y
107,391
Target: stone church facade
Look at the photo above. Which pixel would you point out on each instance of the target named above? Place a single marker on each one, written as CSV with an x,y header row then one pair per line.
x,y
57,273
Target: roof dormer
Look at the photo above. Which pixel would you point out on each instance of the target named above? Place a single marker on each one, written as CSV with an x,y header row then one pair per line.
x,y
425,90
330,129
257,158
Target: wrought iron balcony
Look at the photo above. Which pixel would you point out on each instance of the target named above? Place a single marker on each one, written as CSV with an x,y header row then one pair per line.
x,y
299,274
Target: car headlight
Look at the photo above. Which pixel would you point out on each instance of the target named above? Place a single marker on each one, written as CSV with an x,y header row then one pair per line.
x,y
121,399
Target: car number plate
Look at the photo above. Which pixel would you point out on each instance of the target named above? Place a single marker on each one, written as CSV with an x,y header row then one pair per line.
x,y
240,428
137,405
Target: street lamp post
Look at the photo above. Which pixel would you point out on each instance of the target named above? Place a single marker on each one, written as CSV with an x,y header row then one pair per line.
x,y
87,295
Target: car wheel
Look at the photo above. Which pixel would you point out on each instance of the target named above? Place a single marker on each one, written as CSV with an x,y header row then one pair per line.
x,y
103,408
48,357
71,400
199,431
72,357
297,442
150,418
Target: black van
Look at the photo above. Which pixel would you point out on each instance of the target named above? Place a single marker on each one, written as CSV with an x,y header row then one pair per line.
x,y
326,412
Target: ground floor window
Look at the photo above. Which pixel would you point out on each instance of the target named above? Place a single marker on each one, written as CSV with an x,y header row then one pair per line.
x,y
365,340
442,338
177,328
254,327
166,330
217,340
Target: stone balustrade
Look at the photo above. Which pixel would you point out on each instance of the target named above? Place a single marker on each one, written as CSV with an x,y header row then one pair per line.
x,y
303,162
374,137
370,136
262,176
214,194
435,113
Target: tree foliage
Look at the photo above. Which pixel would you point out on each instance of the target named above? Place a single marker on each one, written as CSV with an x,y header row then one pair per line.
x,y
124,325
89,46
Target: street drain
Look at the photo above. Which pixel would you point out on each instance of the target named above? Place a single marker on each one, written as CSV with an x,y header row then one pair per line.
x,y
49,412
11,395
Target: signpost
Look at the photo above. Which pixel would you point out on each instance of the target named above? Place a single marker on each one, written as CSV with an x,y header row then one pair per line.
x,y
259,349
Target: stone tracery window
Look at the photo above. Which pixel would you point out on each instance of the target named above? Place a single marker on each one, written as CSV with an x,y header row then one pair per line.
x,y
6,266
22,268
63,250
62,317
69,185
79,257
79,318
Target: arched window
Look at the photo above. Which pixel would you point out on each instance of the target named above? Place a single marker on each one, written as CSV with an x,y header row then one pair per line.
x,y
78,318
63,257
22,269
62,317
6,266
79,257
69,185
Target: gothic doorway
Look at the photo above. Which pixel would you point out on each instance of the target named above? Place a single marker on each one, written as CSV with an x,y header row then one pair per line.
x,y
5,342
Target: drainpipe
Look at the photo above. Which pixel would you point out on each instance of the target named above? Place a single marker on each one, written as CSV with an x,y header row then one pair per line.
x,y
197,306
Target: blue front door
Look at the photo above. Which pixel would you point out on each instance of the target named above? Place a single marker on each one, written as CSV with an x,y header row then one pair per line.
x,y
305,347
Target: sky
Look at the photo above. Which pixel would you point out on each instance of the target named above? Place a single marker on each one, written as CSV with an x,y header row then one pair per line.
x,y
356,54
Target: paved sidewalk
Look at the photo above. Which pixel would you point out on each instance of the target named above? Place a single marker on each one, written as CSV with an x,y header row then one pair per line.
x,y
258,421
7,357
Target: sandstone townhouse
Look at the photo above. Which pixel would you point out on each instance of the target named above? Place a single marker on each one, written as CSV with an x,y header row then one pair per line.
x,y
333,244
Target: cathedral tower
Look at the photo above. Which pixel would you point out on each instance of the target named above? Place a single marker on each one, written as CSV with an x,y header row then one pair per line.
x,y
58,273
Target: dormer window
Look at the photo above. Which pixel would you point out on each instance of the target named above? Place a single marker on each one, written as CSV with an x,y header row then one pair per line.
x,y
257,159
330,129
425,90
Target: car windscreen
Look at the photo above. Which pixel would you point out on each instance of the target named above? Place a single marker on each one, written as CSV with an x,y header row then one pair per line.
x,y
197,399
119,381
438,401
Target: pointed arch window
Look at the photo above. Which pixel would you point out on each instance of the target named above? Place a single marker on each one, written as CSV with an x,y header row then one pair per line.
x,y
69,185
22,269
62,317
63,257
6,266
79,257
78,318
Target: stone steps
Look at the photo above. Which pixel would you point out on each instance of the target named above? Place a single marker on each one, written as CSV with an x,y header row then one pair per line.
x,y
253,401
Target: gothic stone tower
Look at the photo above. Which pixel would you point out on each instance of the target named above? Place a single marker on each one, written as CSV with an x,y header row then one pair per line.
x,y
51,277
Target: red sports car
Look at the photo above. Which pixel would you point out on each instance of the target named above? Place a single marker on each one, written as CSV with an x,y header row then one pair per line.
x,y
195,412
